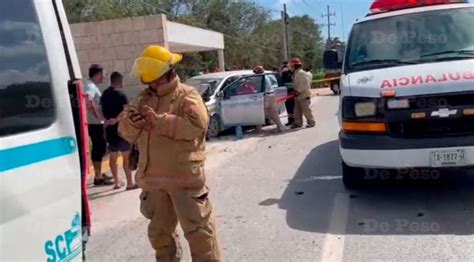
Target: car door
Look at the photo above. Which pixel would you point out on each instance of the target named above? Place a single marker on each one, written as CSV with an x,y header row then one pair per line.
x,y
280,90
242,103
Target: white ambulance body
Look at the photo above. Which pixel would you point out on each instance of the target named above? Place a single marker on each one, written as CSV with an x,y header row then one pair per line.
x,y
407,88
43,137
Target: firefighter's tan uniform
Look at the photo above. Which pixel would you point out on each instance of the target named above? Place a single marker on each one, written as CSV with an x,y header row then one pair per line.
x,y
171,171
302,85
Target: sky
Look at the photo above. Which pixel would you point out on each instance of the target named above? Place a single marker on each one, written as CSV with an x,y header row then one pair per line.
x,y
347,11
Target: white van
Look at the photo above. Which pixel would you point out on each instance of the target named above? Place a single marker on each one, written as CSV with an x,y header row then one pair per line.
x,y
230,103
43,142
407,85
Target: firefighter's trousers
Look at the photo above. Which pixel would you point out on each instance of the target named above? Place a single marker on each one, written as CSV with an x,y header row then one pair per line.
x,y
302,108
192,209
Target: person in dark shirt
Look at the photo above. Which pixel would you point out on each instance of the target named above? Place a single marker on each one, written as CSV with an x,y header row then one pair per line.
x,y
113,101
287,79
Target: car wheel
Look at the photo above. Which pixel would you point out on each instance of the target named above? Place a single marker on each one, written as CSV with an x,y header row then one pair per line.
x,y
352,176
214,128
335,87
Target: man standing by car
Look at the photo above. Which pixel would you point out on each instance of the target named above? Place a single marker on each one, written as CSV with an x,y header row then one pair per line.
x,y
169,121
302,85
286,77
95,123
270,106
113,101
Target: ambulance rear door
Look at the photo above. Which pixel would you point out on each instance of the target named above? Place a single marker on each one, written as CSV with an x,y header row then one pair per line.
x,y
40,196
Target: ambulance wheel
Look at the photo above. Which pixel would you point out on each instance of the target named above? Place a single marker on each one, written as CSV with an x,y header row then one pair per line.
x,y
352,176
335,87
214,126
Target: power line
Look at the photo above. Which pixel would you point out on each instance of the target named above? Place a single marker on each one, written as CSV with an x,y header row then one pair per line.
x,y
306,3
302,33
250,43
298,6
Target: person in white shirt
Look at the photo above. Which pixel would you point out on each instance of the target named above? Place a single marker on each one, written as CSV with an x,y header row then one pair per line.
x,y
95,123
270,106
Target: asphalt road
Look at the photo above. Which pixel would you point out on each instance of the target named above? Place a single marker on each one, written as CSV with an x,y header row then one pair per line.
x,y
281,198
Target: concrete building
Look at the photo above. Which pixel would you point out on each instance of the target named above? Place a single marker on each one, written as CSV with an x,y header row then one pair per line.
x,y
115,44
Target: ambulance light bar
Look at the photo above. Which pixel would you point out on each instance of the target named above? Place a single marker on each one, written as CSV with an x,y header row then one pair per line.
x,y
382,6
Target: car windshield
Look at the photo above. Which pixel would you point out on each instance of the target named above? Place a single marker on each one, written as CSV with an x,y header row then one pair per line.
x,y
410,39
203,84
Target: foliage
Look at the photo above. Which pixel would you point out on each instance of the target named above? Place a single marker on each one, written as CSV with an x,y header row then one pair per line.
x,y
318,75
251,36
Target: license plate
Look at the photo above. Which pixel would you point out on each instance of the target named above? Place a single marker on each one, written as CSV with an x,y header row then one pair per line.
x,y
443,158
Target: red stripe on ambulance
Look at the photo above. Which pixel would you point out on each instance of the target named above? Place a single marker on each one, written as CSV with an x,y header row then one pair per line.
x,y
427,79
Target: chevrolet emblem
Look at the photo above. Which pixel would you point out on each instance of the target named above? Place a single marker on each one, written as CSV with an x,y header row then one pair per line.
x,y
444,112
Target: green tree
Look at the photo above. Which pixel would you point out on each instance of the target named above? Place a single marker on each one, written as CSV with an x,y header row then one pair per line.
x,y
306,42
251,37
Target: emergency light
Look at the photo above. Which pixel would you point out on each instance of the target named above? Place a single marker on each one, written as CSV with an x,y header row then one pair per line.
x,y
382,6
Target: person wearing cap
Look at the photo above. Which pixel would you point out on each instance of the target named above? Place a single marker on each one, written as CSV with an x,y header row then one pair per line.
x,y
270,106
168,123
302,85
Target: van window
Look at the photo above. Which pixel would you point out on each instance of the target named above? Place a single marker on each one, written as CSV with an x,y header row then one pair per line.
x,y
26,98
245,86
273,81
229,81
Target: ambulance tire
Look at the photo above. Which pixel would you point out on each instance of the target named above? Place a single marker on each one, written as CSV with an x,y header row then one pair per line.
x,y
215,126
352,176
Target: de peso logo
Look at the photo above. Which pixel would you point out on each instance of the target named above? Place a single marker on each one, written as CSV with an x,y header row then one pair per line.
x,y
66,246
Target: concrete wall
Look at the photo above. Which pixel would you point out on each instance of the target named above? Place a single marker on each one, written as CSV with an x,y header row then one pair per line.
x,y
115,44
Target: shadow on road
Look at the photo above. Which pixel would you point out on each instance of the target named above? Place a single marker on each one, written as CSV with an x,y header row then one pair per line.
x,y
414,207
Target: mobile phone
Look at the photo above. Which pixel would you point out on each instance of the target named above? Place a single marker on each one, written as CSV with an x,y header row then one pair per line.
x,y
136,117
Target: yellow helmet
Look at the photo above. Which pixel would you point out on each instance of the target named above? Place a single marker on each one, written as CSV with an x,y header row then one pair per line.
x,y
154,62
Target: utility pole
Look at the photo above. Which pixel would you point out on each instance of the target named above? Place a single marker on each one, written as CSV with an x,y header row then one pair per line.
x,y
284,20
329,24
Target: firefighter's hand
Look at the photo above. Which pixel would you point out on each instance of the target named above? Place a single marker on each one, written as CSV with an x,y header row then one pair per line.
x,y
111,122
150,116
135,117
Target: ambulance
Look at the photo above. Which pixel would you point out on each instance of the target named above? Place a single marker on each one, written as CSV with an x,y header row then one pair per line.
x,y
407,88
43,136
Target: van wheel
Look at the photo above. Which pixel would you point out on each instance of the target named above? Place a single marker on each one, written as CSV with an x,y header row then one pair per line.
x,y
352,176
335,87
214,128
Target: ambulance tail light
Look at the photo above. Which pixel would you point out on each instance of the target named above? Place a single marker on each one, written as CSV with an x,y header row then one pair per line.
x,y
382,6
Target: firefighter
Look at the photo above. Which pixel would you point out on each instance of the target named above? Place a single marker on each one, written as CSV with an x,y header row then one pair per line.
x,y
168,123
302,85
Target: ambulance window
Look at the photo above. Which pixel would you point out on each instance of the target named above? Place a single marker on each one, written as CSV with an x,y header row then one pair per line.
x,y
412,38
26,99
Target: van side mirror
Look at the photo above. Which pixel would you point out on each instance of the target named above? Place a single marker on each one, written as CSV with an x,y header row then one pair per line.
x,y
220,94
331,60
